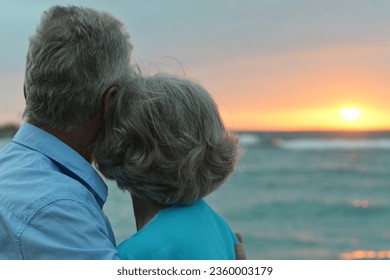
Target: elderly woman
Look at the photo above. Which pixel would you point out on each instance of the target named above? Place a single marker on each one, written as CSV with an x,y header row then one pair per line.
x,y
165,143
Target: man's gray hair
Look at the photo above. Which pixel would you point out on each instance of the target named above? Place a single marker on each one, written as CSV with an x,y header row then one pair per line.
x,y
74,57
164,141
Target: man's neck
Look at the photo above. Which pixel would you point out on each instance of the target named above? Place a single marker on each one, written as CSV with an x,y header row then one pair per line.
x,y
80,139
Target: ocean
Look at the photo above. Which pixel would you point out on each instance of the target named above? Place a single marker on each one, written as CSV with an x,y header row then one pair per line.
x,y
299,195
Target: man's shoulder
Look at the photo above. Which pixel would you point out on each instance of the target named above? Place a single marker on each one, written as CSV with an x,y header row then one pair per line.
x,y
23,169
18,158
30,181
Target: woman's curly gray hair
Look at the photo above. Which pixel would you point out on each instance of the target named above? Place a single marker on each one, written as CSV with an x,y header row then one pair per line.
x,y
164,141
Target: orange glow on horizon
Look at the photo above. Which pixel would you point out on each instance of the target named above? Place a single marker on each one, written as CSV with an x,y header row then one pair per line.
x,y
303,90
324,119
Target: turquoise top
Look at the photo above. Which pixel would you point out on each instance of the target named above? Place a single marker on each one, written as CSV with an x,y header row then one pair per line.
x,y
194,232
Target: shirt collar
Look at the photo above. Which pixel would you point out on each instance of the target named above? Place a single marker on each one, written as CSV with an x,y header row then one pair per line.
x,y
53,148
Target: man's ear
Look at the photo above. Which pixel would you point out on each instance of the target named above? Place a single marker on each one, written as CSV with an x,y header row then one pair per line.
x,y
109,95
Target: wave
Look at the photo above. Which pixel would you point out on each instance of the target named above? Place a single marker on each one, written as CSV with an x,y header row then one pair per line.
x,y
331,144
250,140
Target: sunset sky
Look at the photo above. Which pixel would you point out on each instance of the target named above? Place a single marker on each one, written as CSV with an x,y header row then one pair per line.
x,y
270,64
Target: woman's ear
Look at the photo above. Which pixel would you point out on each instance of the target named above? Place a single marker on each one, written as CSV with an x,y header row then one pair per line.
x,y
108,97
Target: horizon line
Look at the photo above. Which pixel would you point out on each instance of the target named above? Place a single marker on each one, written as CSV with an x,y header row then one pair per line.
x,y
312,130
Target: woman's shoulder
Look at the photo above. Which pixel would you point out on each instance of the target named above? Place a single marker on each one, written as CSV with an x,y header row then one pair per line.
x,y
182,232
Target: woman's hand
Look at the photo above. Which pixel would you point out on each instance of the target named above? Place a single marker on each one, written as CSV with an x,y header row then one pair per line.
x,y
239,248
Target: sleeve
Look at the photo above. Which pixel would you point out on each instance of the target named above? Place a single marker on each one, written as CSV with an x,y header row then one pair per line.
x,y
233,235
67,230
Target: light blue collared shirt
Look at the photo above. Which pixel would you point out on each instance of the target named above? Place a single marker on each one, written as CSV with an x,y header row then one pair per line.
x,y
51,201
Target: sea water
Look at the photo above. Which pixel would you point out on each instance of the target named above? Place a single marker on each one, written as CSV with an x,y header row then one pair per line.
x,y
309,195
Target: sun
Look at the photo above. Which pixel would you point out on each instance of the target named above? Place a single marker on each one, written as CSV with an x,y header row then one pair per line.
x,y
350,114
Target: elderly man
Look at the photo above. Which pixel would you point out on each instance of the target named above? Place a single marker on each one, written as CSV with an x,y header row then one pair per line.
x,y
51,197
